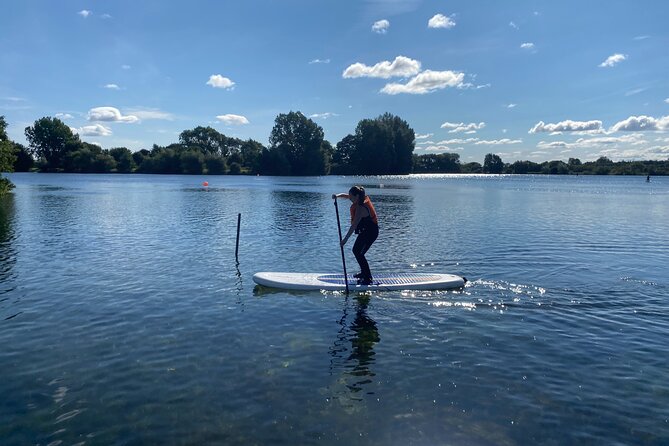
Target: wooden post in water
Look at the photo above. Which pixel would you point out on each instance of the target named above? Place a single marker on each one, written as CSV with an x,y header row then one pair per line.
x,y
239,220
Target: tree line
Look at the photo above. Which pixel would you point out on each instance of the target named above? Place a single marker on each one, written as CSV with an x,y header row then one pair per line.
x,y
297,146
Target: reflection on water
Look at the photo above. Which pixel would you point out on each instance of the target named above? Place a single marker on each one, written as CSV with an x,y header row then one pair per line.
x,y
7,253
355,362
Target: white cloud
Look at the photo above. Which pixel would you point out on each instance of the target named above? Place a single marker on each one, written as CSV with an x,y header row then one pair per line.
x,y
667,100
400,67
381,26
641,123
92,130
424,136
426,82
513,25
552,145
106,16
112,87
230,119
85,13
126,67
323,115
442,148
63,116
110,114
644,37
218,81
527,46
441,21
511,105
459,127
498,142
319,61
568,126
151,113
613,60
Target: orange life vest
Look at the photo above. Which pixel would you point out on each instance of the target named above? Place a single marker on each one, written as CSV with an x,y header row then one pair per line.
x,y
370,207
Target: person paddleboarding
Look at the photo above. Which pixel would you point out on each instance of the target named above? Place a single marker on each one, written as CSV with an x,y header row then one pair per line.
x,y
364,223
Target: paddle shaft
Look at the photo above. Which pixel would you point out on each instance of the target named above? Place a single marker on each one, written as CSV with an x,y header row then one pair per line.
x,y
343,259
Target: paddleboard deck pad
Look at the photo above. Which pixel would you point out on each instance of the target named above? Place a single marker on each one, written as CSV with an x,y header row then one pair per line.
x,y
381,282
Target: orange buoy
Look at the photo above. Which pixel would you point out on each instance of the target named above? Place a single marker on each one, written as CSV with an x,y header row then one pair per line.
x,y
205,184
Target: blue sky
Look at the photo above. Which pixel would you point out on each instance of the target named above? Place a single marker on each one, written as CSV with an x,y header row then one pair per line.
x,y
530,80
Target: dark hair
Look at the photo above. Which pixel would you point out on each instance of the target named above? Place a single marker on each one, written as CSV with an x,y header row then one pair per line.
x,y
359,192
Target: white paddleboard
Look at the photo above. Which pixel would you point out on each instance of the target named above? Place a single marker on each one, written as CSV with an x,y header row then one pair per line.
x,y
381,282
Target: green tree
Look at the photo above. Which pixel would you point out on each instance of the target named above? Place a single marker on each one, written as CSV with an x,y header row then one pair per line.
x,y
215,164
251,151
207,139
49,140
192,162
3,129
493,164
343,154
7,157
437,163
88,158
472,167
125,162
300,141
24,161
384,145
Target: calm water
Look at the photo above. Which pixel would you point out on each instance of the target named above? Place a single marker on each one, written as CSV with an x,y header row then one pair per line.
x,y
124,318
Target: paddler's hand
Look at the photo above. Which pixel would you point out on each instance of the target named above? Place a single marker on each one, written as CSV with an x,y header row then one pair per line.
x,y
343,242
334,196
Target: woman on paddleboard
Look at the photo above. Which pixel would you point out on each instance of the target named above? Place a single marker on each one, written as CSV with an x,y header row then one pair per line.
x,y
366,225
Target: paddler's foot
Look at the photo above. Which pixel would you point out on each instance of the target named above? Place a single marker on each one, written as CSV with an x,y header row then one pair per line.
x,y
365,281
358,276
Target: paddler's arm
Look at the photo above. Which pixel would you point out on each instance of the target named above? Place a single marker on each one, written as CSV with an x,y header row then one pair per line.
x,y
351,230
335,196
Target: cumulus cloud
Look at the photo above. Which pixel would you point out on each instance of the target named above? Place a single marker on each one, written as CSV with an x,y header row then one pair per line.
x,y
311,62
440,21
112,87
110,114
567,126
151,113
323,115
63,116
92,130
527,46
667,100
497,142
230,119
641,123
218,81
442,148
400,67
459,127
424,136
426,82
381,26
613,60
511,105
85,13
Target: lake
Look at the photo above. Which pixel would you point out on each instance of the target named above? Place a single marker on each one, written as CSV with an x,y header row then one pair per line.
x,y
126,319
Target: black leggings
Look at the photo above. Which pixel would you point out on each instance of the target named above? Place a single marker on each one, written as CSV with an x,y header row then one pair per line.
x,y
362,244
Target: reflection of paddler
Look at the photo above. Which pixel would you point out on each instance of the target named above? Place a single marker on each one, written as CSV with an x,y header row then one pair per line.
x,y
365,336
365,223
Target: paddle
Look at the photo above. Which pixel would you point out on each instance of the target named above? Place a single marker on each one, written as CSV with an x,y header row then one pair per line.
x,y
343,259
